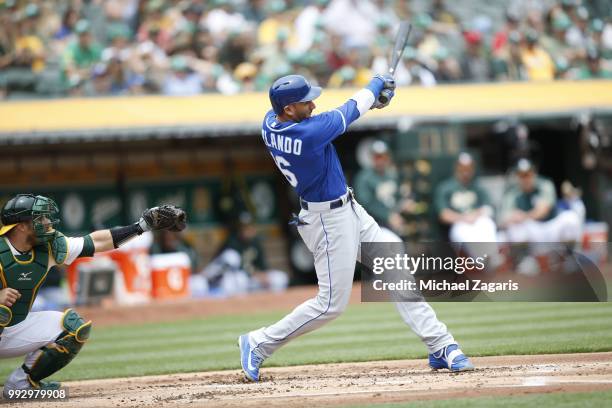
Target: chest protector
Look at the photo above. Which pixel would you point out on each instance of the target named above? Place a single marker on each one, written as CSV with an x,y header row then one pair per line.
x,y
25,273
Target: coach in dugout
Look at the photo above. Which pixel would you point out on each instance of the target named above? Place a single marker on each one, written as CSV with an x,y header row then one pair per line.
x,y
464,207
528,210
378,189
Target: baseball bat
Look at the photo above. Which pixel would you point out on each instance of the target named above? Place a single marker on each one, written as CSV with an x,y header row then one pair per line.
x,y
401,39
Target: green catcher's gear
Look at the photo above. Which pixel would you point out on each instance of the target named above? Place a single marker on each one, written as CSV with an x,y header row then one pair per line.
x,y
42,211
45,385
59,247
56,356
25,273
5,317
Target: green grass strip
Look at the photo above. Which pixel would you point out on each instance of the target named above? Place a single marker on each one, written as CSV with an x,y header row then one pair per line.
x,y
366,332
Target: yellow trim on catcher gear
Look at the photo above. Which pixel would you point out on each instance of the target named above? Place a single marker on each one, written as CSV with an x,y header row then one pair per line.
x,y
10,315
63,317
76,334
6,228
17,260
52,255
2,277
34,384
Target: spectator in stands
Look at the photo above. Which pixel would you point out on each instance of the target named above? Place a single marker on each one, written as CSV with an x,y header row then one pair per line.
x,y
155,26
254,10
378,189
475,63
427,42
182,81
81,55
355,73
278,23
502,37
596,39
308,23
538,64
276,57
239,44
245,74
316,38
508,61
592,67
447,67
149,62
69,19
351,20
335,54
441,15
223,19
241,265
577,34
383,10
119,48
555,43
29,48
413,71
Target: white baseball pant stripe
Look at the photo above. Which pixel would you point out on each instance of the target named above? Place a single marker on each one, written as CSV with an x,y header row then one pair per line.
x,y
333,236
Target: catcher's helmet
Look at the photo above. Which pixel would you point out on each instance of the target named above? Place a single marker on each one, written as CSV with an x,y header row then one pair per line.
x,y
24,207
291,89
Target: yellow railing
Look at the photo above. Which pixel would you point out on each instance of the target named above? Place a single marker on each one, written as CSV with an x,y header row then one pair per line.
x,y
159,111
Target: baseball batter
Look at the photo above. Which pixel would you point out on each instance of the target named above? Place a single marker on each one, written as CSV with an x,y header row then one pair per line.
x,y
29,246
331,223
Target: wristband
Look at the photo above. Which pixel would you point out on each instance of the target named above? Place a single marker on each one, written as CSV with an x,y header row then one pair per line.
x,y
121,235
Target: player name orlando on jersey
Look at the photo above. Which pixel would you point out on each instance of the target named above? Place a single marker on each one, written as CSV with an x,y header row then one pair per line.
x,y
281,142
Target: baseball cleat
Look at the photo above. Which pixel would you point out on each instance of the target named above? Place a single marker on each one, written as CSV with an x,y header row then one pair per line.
x,y
450,357
249,360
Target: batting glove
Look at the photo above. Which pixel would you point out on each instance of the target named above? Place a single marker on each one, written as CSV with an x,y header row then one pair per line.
x,y
388,81
383,99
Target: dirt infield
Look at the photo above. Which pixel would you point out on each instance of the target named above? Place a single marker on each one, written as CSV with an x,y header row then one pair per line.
x,y
334,385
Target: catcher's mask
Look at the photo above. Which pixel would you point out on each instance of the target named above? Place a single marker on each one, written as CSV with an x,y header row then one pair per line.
x,y
42,211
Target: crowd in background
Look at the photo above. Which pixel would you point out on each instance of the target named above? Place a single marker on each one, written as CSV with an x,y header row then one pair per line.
x,y
186,47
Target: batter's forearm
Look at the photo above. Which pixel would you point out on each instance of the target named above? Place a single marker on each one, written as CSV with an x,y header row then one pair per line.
x,y
365,98
102,240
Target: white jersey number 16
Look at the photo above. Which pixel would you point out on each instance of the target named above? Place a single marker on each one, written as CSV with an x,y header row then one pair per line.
x,y
282,164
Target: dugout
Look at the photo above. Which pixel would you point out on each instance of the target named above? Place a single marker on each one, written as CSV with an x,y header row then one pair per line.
x,y
106,159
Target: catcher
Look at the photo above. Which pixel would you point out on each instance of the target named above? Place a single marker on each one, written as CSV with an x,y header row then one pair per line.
x,y
29,246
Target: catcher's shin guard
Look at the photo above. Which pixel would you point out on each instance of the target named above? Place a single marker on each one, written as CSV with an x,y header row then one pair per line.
x,y
57,355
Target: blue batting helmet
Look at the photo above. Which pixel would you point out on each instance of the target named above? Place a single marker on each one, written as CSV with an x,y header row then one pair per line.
x,y
291,89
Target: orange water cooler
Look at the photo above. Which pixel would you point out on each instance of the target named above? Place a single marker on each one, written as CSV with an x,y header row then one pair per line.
x,y
170,275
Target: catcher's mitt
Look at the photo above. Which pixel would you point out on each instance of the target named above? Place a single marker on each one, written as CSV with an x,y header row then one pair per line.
x,y
164,217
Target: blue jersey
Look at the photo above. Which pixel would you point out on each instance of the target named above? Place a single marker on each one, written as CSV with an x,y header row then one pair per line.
x,y
304,153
